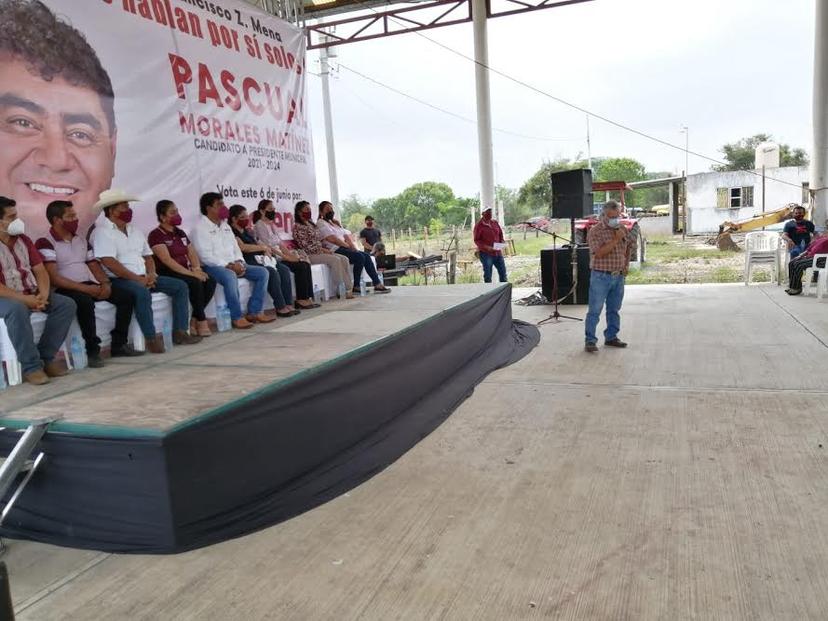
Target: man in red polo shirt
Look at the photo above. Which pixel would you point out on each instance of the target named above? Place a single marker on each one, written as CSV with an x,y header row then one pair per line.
x,y
487,233
24,288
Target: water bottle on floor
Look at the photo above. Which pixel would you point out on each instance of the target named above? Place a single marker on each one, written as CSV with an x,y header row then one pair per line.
x,y
3,383
341,291
363,290
317,295
223,320
166,332
78,351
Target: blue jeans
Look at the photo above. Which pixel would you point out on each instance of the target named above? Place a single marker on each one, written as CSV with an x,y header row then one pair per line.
x,y
360,260
279,285
227,278
173,287
496,260
59,315
798,249
604,287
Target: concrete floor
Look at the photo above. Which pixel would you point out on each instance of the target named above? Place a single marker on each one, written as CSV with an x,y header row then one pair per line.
x,y
683,478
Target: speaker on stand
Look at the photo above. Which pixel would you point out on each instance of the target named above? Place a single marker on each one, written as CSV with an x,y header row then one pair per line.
x,y
572,199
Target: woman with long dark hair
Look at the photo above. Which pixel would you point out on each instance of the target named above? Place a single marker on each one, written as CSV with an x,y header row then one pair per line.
x,y
268,234
176,257
308,238
278,285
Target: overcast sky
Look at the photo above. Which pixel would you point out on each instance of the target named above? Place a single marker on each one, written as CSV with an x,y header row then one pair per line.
x,y
725,68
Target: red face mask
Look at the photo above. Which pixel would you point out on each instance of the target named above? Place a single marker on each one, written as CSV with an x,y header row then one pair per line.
x,y
126,216
243,222
487,216
176,220
72,226
223,213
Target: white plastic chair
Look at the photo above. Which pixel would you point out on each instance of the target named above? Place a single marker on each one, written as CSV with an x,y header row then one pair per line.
x,y
819,268
321,280
244,297
161,312
762,248
8,355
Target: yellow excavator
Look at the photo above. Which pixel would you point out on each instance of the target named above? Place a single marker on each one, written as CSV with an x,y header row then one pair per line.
x,y
769,218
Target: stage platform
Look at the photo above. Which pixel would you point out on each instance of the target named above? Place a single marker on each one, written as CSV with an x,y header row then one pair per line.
x,y
168,452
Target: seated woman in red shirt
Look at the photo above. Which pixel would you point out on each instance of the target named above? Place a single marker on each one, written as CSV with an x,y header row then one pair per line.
x,y
176,257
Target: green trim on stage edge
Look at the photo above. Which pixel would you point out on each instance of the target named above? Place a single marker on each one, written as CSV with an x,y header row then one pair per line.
x,y
119,432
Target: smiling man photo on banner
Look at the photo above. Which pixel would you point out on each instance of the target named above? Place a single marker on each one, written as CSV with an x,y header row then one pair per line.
x,y
57,119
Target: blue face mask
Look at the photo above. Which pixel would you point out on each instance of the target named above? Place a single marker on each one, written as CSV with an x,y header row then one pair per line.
x,y
613,223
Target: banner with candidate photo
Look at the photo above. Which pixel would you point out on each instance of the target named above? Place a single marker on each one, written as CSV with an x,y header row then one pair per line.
x,y
165,99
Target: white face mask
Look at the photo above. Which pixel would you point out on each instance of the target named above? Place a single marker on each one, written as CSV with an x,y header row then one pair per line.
x,y
16,227
613,223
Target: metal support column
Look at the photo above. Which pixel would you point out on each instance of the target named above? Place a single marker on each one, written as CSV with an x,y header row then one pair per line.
x,y
484,104
819,155
329,137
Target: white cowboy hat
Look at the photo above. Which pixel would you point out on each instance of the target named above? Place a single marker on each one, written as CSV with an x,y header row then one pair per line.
x,y
108,198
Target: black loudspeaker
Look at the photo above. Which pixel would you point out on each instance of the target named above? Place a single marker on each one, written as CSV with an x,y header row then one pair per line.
x,y
572,193
559,263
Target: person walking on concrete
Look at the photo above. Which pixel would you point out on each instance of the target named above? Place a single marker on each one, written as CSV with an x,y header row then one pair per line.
x,y
610,248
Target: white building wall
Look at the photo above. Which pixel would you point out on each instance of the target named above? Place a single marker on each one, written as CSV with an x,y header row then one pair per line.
x,y
703,216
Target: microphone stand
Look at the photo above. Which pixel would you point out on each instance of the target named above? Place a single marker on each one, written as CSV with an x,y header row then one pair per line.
x,y
556,316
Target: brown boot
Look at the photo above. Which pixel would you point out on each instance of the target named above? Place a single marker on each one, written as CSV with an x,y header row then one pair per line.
x,y
37,378
155,344
182,338
203,329
54,369
242,324
260,318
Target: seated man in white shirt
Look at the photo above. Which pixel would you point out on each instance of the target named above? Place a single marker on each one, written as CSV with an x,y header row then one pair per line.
x,y
222,259
127,259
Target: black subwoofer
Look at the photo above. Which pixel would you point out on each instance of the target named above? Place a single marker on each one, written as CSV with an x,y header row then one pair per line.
x,y
556,268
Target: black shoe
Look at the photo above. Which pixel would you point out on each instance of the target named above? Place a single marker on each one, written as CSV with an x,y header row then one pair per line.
x,y
793,291
94,361
591,348
125,351
298,306
615,343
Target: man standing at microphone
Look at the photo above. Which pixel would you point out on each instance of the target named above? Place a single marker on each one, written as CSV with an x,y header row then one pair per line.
x,y
610,249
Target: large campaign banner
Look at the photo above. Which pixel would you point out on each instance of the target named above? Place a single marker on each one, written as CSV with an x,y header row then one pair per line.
x,y
165,99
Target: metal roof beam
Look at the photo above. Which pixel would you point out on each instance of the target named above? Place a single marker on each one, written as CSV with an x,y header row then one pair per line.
x,y
425,16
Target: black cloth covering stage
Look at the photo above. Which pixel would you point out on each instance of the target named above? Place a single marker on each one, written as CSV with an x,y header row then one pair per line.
x,y
273,454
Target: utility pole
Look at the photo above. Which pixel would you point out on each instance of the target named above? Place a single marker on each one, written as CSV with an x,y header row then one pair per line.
x,y
819,155
480,14
686,131
589,146
325,54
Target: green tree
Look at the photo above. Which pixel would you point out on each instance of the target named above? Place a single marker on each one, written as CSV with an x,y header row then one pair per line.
x,y
351,205
424,201
619,169
390,213
355,222
741,155
461,211
536,193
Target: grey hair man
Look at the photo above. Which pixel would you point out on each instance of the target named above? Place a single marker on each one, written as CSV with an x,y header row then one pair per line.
x,y
610,247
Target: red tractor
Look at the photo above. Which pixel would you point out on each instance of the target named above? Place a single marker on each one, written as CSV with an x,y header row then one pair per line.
x,y
582,226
